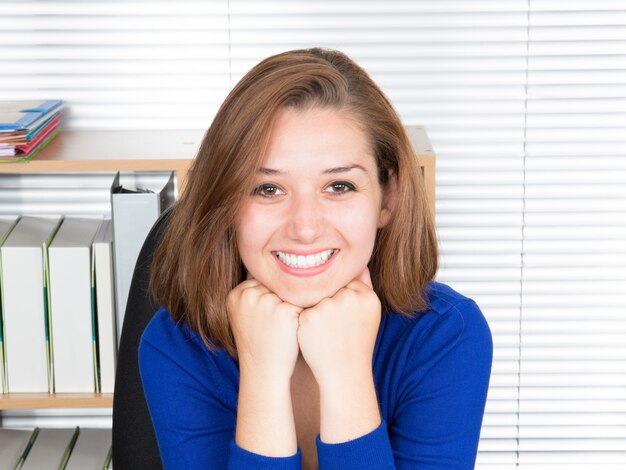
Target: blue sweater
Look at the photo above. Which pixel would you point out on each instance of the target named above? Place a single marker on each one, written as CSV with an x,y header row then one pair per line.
x,y
431,375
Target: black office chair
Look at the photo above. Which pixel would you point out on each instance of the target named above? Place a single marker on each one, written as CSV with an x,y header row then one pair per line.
x,y
134,442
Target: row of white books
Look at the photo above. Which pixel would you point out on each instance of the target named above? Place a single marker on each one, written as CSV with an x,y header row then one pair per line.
x,y
63,449
58,305
44,275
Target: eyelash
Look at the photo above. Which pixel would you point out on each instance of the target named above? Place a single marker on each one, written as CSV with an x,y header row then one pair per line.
x,y
348,187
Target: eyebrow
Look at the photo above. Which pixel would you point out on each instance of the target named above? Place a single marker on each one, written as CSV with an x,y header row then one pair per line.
x,y
329,171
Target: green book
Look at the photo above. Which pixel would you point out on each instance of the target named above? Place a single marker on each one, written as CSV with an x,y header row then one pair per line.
x,y
13,444
50,449
47,309
92,450
33,437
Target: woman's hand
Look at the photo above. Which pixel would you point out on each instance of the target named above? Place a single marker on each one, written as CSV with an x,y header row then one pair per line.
x,y
265,330
337,339
337,335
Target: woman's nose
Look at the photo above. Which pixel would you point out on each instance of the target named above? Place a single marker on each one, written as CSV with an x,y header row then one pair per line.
x,y
305,218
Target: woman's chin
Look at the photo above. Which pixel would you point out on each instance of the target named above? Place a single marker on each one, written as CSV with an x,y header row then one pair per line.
x,y
305,299
302,301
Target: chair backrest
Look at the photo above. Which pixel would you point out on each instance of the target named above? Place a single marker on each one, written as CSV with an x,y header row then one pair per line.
x,y
134,442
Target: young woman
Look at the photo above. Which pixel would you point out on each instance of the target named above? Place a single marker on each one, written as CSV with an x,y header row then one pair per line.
x,y
301,326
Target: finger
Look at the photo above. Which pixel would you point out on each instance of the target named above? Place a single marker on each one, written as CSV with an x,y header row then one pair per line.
x,y
262,289
249,283
292,307
252,284
267,295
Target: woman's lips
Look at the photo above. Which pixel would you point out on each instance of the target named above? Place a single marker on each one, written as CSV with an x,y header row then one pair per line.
x,y
305,271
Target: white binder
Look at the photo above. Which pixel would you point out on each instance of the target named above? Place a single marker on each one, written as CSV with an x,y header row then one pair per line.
x,y
72,327
25,298
137,201
105,304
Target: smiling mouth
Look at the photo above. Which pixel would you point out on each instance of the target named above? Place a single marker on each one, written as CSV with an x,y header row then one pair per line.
x,y
305,261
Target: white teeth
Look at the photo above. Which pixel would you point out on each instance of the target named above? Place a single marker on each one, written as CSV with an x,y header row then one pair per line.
x,y
302,262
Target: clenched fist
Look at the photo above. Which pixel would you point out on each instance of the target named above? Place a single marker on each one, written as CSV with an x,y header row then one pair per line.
x,y
337,336
265,330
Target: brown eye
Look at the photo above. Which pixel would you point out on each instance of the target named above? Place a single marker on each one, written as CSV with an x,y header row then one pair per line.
x,y
340,187
267,190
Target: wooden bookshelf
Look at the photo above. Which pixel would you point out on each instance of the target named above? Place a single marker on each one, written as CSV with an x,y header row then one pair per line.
x,y
31,401
102,151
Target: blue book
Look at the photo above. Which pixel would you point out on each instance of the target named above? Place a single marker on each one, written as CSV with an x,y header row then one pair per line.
x,y
26,115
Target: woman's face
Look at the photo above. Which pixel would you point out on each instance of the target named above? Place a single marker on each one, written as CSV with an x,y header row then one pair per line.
x,y
309,226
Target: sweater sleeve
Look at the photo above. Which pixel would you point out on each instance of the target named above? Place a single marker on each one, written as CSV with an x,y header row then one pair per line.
x,y
443,393
439,404
188,400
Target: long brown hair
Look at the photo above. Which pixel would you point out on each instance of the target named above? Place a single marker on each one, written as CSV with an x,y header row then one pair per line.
x,y
197,263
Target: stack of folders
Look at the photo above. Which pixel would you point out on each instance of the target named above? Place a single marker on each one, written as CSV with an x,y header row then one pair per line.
x,y
26,127
58,305
63,449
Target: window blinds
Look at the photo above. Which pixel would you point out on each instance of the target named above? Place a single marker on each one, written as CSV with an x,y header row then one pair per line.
x,y
118,64
525,103
573,352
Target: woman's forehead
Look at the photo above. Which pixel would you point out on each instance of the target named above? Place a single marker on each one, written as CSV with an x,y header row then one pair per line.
x,y
317,139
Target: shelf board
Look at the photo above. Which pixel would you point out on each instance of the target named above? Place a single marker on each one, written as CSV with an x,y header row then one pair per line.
x,y
87,151
31,401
